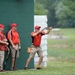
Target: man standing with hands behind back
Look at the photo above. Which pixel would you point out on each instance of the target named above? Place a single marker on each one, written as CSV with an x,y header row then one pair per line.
x,y
3,46
14,39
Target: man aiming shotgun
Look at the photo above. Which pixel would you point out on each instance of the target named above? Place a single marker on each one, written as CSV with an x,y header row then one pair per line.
x,y
36,41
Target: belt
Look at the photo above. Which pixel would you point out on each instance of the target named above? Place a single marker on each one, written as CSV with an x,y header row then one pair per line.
x,y
34,46
37,46
15,43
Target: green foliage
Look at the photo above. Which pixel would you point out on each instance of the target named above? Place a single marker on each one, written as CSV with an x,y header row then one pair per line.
x,y
39,9
65,12
61,13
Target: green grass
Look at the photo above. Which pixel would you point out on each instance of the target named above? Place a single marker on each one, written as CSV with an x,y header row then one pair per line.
x,y
61,57
53,68
68,32
63,48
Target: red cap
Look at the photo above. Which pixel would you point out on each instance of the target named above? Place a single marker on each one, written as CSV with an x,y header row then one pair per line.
x,y
37,27
13,25
1,26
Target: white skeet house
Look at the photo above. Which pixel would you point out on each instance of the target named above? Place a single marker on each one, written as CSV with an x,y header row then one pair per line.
x,y
41,21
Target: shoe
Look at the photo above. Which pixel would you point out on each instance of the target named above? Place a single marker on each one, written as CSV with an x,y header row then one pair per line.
x,y
38,68
13,69
26,68
2,70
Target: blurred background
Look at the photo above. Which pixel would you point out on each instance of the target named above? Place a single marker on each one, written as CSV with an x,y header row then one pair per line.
x,y
60,15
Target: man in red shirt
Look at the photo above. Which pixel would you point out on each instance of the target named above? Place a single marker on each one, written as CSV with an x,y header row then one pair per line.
x,y
14,39
36,41
3,46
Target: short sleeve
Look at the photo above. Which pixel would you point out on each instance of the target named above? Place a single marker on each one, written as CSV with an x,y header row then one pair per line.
x,y
43,33
0,37
8,35
32,33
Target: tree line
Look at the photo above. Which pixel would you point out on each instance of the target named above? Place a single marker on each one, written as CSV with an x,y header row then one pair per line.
x,y
60,13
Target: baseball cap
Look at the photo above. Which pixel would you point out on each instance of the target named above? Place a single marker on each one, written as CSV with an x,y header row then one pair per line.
x,y
1,26
37,27
13,25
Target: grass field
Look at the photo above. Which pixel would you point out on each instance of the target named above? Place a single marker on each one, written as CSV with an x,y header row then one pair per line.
x,y
63,49
61,57
54,68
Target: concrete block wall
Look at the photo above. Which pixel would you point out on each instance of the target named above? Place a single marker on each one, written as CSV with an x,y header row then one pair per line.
x,y
41,21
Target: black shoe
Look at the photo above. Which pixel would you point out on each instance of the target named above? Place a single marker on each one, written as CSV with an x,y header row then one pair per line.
x,y
26,68
2,70
38,68
15,68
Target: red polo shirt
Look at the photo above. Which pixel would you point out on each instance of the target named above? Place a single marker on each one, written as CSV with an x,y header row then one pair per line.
x,y
36,40
13,34
2,37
